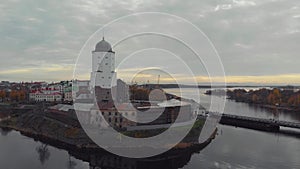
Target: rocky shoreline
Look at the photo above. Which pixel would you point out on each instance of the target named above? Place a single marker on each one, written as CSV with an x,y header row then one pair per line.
x,y
44,128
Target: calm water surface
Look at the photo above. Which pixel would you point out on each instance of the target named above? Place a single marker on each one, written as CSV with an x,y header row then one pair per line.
x,y
232,148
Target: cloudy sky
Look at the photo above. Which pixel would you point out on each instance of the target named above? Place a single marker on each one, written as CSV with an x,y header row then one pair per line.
x,y
258,41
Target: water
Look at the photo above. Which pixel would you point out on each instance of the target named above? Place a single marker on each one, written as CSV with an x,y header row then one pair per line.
x,y
20,152
233,148
232,107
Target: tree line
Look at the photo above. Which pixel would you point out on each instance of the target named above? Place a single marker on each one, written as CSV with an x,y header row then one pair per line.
x,y
13,95
276,96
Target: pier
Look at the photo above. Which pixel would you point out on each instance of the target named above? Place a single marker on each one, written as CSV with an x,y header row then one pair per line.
x,y
257,123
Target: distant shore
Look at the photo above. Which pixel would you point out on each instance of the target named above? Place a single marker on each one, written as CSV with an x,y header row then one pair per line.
x,y
276,99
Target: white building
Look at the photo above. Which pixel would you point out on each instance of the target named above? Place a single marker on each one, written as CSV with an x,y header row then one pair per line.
x,y
68,96
103,66
45,95
103,86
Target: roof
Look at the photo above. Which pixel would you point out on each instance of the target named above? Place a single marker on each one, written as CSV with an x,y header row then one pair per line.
x,y
173,103
167,103
83,106
125,106
62,107
103,46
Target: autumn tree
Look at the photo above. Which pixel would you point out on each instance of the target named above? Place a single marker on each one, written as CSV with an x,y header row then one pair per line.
x,y
277,95
255,98
13,96
2,95
22,95
294,100
17,95
274,97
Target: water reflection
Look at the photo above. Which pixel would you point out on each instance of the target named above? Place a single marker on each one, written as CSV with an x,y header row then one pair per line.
x,y
43,153
99,158
71,164
173,159
233,148
4,132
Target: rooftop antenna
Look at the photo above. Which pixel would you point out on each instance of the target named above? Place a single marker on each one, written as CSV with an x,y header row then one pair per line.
x,y
157,85
103,34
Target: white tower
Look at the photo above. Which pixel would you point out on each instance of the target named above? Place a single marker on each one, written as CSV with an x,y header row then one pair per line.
x,y
103,66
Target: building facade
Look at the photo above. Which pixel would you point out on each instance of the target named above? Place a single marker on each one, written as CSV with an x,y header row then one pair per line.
x,y
45,96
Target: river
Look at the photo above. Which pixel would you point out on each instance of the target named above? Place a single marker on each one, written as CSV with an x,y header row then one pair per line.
x,y
233,148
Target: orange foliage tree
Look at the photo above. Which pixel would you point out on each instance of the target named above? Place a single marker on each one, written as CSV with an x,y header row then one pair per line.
x,y
274,97
17,95
2,95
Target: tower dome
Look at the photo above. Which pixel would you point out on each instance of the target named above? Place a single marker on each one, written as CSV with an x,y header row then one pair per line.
x,y
103,46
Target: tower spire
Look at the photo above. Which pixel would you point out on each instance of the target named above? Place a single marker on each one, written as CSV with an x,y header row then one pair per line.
x,y
102,34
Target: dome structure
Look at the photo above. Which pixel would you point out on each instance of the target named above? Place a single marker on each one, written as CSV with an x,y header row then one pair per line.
x,y
103,46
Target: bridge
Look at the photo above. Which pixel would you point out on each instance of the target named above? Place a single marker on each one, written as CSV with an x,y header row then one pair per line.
x,y
256,123
289,124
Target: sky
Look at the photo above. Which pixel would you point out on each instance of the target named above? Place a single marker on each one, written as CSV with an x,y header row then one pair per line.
x,y
257,41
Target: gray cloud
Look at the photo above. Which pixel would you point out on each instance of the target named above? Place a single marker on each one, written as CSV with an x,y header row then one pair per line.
x,y
253,37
